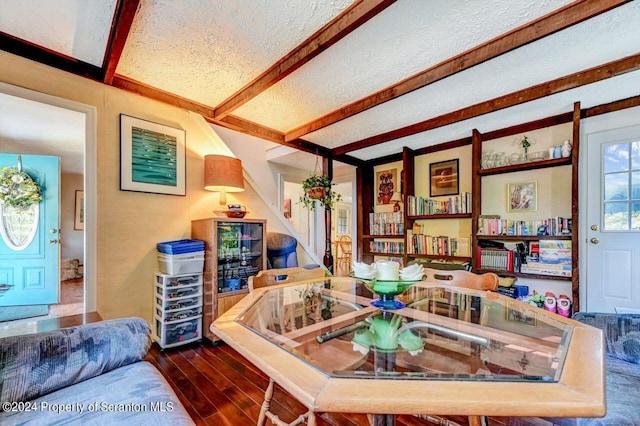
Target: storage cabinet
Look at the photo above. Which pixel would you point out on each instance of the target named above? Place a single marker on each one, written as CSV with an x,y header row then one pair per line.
x,y
177,309
235,249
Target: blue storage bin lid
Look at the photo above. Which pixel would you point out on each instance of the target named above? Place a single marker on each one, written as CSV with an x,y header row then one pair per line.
x,y
180,246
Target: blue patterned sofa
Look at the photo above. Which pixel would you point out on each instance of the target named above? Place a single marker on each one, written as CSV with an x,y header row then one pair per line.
x,y
89,374
622,346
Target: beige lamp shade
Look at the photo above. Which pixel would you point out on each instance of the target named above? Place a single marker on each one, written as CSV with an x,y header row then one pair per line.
x,y
223,174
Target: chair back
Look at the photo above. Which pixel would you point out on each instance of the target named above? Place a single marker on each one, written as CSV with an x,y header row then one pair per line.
x,y
284,275
344,249
465,279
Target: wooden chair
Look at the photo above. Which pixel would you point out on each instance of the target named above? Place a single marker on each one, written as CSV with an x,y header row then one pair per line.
x,y
268,277
464,279
343,253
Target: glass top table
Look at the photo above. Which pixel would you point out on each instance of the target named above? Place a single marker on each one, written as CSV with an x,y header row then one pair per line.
x,y
450,351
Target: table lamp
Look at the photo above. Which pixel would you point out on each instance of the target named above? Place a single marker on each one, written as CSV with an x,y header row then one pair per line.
x,y
223,174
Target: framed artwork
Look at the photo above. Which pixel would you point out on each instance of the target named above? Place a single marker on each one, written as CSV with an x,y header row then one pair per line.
x,y
152,157
287,208
514,315
386,185
443,178
78,217
522,197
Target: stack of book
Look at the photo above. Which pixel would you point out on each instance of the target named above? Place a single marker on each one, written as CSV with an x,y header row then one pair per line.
x,y
420,206
549,257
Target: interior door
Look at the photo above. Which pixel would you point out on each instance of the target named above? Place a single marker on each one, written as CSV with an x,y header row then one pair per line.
x,y
613,221
29,258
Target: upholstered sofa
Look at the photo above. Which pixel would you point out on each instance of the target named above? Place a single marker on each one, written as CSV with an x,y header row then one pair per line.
x,y
622,346
89,374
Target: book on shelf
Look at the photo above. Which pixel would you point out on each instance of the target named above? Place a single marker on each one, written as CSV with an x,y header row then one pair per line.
x,y
494,225
420,206
437,245
497,259
393,247
386,223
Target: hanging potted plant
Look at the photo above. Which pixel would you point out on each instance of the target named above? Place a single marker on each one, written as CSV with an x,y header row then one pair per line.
x,y
317,189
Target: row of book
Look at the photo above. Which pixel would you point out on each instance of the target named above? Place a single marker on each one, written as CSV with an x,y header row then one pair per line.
x,y
440,245
546,257
420,206
493,225
386,223
393,247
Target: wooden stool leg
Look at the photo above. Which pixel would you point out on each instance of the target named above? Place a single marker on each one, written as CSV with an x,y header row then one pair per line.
x,y
268,394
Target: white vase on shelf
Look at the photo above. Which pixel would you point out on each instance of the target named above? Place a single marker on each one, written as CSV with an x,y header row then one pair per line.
x,y
566,148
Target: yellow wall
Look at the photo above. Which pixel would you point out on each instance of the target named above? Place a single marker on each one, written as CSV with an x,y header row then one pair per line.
x,y
129,224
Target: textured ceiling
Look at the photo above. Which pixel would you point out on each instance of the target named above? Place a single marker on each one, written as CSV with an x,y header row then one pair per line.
x,y
208,51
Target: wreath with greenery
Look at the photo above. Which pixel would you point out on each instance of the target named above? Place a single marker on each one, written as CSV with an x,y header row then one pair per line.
x,y
18,189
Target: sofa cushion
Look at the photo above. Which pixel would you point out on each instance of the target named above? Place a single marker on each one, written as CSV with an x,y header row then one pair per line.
x,y
37,364
135,394
621,333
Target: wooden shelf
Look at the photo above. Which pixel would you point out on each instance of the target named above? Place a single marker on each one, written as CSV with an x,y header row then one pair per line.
x,y
521,275
523,237
442,216
530,165
437,256
385,254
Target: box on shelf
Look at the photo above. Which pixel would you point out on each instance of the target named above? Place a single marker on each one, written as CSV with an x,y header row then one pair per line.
x,y
180,246
178,264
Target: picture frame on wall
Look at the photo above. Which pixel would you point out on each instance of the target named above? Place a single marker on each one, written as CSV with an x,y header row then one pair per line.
x,y
443,178
522,196
152,157
78,217
386,185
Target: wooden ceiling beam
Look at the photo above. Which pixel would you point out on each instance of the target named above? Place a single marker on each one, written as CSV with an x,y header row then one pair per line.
x,y
569,15
350,19
572,81
120,27
20,47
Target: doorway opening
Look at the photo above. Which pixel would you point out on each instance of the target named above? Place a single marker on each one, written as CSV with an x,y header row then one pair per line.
x,y
77,293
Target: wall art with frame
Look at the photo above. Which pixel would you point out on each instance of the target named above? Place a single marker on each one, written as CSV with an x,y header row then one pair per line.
x,y
78,217
386,185
152,157
522,196
443,178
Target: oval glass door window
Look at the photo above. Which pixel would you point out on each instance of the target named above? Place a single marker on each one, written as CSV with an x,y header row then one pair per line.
x,y
18,226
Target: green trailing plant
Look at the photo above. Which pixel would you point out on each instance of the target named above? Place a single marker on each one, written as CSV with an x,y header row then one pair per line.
x,y
317,190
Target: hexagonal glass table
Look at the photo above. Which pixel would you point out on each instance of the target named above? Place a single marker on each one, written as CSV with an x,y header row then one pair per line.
x,y
450,351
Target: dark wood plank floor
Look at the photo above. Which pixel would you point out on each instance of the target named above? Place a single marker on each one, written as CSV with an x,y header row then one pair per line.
x,y
220,387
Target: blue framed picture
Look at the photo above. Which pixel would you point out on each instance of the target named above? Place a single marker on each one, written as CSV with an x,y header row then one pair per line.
x,y
152,157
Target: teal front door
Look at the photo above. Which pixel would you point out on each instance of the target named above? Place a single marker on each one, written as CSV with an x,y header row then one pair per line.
x,y
29,237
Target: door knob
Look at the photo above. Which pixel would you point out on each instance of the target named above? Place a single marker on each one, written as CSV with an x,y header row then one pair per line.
x,y
594,227
595,240
53,241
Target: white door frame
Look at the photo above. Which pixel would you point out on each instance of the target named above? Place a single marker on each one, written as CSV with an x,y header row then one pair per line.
x,y
615,120
90,180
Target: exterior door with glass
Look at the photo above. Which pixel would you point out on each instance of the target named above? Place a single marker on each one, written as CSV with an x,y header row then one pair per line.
x,y
29,234
612,276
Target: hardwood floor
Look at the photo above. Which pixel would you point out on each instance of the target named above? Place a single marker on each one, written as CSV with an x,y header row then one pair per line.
x,y
218,386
